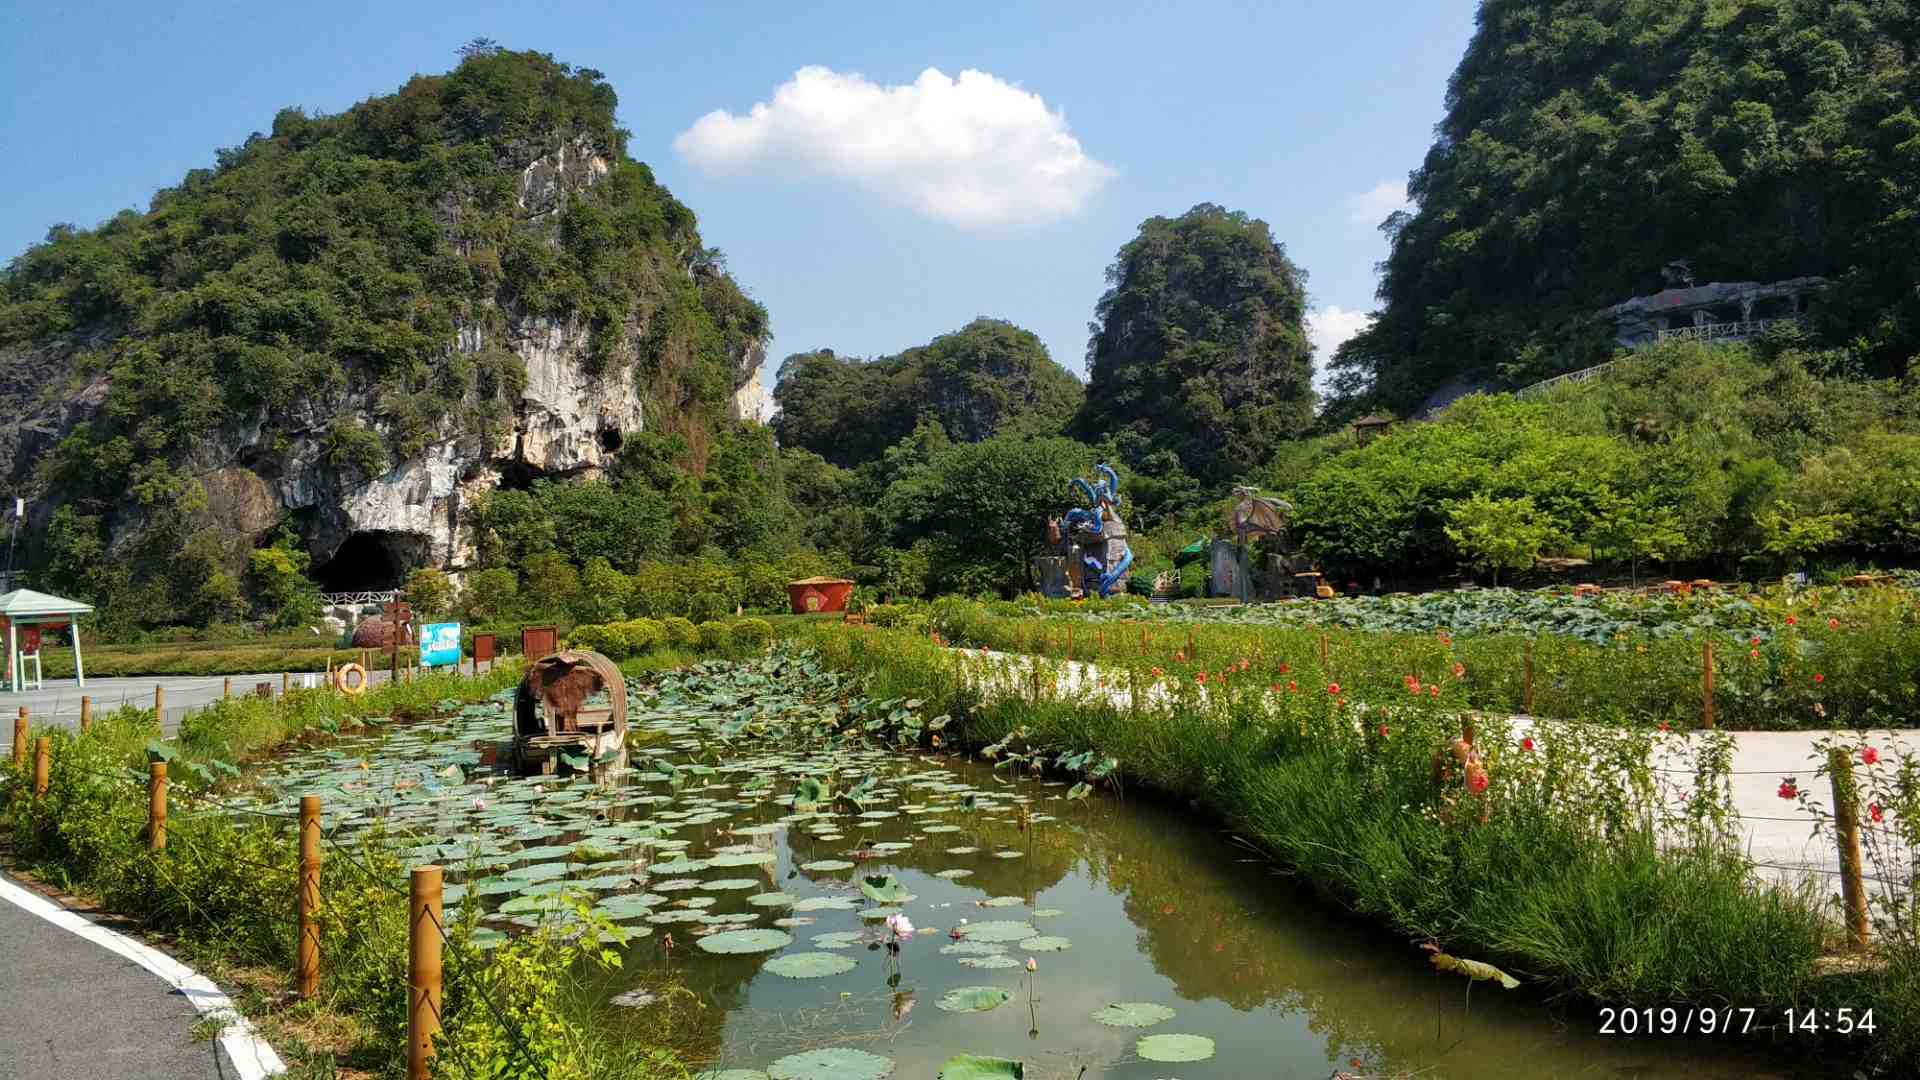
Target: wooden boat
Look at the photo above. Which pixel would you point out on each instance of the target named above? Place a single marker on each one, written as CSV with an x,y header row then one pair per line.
x,y
572,703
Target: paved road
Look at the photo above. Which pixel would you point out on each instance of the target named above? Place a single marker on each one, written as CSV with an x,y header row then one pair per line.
x,y
76,1010
59,699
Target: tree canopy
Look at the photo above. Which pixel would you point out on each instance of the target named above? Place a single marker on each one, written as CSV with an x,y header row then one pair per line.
x,y
983,379
1588,143
1199,344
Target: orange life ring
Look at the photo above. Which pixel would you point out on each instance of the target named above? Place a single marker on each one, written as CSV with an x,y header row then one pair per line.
x,y
340,679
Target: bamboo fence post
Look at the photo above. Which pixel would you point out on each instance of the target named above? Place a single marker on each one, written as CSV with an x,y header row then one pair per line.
x,y
86,713
423,970
1706,684
1069,644
1529,678
285,678
42,749
20,739
306,963
1323,649
156,806
159,706
226,687
1846,833
1191,651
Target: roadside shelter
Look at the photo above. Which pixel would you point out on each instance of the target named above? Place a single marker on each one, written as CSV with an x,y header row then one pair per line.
x,y
24,614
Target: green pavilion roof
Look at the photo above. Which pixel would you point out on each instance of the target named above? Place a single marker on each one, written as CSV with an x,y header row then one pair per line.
x,y
25,603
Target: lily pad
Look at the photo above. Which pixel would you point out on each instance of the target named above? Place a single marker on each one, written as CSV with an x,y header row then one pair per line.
x,y
1174,1047
974,999
884,889
731,884
978,1067
811,965
839,939
731,1074
826,903
955,873
746,941
972,948
1045,944
998,931
770,899
834,1063
1132,1014
1045,913
825,866
1003,901
993,962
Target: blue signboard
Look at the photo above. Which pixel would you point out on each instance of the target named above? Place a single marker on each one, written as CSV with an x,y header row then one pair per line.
x,y
440,644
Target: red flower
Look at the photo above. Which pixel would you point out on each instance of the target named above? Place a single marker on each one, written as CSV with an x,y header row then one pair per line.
x,y
1870,756
1333,688
1201,678
1663,725
1275,688
1527,744
1180,657
1157,672
1873,812
1791,621
1293,686
1459,671
1819,678
1788,790
1754,653
1476,782
1284,669
1383,731
1432,690
1755,640
1244,663
1833,624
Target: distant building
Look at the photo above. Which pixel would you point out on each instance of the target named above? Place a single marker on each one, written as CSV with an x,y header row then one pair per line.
x,y
1717,311
1368,428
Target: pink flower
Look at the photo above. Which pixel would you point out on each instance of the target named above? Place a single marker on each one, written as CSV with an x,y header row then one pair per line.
x,y
900,925
1833,624
1334,689
1788,790
1201,678
1869,756
1527,744
479,804
1032,964
1819,678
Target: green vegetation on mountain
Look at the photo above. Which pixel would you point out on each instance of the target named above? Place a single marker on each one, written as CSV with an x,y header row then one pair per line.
x,y
986,378
1743,459
1198,346
1587,143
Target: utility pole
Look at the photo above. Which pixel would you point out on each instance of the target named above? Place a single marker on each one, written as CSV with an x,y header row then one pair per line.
x,y
19,511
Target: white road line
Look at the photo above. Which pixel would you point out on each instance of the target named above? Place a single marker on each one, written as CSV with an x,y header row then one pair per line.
x,y
250,1054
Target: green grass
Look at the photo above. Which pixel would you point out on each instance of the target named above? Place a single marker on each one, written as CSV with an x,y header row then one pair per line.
x,y
1578,879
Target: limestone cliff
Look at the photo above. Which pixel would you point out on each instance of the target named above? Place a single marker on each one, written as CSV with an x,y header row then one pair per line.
x,y
554,301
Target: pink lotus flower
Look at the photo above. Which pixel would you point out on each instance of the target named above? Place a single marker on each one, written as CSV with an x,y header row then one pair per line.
x,y
1032,964
479,804
900,925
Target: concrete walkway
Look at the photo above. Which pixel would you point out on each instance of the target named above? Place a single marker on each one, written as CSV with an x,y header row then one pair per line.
x,y
59,700
1779,833
75,1009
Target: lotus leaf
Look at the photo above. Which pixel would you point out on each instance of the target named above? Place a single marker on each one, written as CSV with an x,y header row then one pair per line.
x,y
1174,1047
976,1067
746,941
1132,1014
810,965
974,999
835,1063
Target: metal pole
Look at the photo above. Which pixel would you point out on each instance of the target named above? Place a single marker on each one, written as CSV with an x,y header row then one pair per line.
x,y
306,964
157,806
423,971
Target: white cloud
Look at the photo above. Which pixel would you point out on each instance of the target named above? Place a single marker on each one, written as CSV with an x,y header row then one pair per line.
x,y
972,151
1327,328
1370,208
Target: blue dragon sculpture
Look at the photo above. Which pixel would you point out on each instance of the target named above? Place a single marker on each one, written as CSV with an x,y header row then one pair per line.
x,y
1099,535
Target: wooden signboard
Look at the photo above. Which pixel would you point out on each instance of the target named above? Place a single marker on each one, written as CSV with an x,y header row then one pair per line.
x,y
538,641
482,650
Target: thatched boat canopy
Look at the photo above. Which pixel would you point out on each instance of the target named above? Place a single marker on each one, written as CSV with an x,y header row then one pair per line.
x,y
554,697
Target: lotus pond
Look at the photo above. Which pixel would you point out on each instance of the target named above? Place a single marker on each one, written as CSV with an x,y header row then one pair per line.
x,y
762,836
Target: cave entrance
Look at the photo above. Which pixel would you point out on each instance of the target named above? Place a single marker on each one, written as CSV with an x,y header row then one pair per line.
x,y
372,562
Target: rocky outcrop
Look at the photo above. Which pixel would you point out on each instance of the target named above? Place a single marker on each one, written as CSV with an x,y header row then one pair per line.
x,y
569,420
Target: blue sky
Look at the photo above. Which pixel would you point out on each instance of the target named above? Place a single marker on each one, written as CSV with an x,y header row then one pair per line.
x,y
871,207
